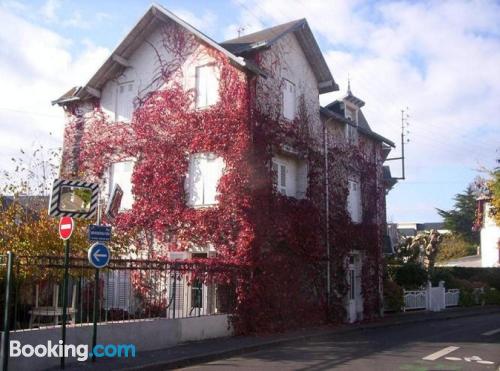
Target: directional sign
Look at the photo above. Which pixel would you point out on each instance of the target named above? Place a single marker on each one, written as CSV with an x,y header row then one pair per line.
x,y
99,232
99,255
66,226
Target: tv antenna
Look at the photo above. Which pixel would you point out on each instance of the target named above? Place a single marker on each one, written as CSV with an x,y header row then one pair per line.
x,y
404,140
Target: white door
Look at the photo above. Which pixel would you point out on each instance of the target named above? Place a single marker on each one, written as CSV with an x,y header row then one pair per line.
x,y
355,300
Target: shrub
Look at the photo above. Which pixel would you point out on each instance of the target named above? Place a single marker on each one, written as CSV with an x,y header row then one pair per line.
x,y
410,276
393,296
491,297
453,247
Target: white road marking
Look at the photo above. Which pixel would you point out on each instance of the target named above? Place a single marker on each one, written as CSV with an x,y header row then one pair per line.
x,y
439,354
492,332
485,362
453,358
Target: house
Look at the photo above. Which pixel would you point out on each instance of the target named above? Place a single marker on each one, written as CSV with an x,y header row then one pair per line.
x,y
489,235
410,229
223,151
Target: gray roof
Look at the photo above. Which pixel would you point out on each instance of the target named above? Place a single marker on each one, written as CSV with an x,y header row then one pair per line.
x,y
335,110
265,38
154,16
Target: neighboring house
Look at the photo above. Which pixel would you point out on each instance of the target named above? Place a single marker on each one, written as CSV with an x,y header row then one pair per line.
x,y
490,234
410,229
223,150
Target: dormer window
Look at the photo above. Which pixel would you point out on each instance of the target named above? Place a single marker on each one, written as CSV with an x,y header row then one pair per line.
x,y
351,114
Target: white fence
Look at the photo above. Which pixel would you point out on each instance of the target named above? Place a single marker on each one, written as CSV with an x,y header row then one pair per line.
x,y
451,297
431,298
416,299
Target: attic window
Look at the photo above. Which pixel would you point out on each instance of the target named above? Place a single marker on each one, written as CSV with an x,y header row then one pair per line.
x,y
351,114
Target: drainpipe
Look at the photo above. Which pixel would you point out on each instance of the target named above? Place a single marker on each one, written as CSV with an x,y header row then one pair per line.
x,y
327,215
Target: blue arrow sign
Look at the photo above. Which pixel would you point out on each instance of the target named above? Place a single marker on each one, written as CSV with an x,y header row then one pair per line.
x,y
99,232
99,255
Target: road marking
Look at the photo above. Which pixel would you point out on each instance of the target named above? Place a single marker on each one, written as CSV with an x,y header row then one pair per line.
x,y
492,332
439,354
453,358
485,362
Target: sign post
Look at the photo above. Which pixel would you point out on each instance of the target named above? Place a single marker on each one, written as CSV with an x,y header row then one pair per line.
x,y
66,226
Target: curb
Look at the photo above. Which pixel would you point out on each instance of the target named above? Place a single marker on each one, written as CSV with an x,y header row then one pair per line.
x,y
213,356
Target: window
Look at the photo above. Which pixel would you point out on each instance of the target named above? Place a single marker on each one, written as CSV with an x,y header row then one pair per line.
x,y
207,86
125,101
290,176
280,173
351,134
288,100
354,201
197,294
351,113
121,174
205,170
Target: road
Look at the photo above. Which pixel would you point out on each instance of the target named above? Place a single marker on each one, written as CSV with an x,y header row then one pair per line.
x,y
471,343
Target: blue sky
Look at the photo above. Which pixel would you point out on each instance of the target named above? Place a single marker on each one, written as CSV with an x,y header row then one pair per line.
x,y
429,56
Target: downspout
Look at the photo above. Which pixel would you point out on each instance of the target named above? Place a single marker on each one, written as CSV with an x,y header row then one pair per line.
x,y
327,215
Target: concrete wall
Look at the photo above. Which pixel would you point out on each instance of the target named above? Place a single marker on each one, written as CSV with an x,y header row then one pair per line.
x,y
145,335
490,238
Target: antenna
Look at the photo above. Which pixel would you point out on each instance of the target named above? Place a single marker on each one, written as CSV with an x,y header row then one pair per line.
x,y
240,30
404,140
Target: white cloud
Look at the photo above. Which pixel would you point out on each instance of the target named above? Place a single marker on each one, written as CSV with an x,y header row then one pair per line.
x,y
206,23
36,67
439,58
49,10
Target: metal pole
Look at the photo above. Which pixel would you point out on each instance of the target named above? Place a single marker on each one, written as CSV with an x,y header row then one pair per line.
x,y
96,288
6,315
96,302
403,143
65,298
173,292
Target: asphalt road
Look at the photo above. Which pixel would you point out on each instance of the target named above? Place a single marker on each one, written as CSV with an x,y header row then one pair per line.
x,y
460,344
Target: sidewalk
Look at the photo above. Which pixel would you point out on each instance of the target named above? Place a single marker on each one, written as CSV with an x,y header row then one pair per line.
x,y
210,350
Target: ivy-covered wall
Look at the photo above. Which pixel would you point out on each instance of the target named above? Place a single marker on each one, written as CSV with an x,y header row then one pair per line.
x,y
279,242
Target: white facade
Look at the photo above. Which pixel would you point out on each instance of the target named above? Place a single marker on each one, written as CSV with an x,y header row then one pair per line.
x,y
490,238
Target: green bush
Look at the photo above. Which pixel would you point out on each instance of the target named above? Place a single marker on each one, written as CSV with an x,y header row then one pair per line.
x,y
466,298
393,296
491,297
410,276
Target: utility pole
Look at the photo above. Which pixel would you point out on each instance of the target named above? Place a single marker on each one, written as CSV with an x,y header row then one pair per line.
x,y
404,132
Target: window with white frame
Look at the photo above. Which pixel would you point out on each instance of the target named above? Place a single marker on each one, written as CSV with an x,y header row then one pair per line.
x,y
289,103
204,173
125,101
351,133
207,86
290,176
121,173
354,206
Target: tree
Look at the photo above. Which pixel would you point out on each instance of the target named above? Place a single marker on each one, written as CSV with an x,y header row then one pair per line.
x,y
461,218
494,188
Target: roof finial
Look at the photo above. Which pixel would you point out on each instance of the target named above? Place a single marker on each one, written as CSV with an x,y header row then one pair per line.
x,y
349,85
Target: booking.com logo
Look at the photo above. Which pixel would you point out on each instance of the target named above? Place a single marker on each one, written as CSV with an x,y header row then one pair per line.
x,y
80,352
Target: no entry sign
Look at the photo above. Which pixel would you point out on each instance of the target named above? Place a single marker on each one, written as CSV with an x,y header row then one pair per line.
x,y
66,226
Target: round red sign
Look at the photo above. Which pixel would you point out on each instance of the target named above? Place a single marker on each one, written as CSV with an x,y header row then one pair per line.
x,y
66,226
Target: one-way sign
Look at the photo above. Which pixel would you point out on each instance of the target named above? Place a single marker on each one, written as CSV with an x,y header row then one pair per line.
x,y
99,232
99,255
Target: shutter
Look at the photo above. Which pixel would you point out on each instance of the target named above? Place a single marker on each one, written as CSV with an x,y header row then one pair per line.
x,y
123,290
125,102
282,178
201,86
288,100
194,181
110,289
212,172
212,86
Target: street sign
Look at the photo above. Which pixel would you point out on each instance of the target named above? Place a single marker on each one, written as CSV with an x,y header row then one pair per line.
x,y
99,232
99,255
114,203
73,198
66,226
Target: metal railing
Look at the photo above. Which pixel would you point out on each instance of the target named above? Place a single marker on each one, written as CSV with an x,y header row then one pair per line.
x,y
129,290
